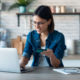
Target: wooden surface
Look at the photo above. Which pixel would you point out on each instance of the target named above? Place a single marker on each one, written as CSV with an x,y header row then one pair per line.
x,y
38,74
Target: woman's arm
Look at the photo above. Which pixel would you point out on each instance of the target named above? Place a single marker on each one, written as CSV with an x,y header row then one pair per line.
x,y
27,51
54,61
23,61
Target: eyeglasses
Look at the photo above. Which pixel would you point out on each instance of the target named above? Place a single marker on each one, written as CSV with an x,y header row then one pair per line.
x,y
38,23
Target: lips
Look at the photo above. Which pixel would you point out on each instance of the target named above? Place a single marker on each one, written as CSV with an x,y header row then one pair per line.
x,y
38,30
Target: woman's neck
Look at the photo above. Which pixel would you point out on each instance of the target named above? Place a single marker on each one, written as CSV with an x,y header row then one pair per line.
x,y
45,34
43,38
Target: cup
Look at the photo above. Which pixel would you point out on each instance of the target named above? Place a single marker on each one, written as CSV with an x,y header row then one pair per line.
x,y
62,9
57,9
52,9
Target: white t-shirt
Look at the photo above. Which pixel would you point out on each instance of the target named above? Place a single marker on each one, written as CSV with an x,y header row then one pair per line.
x,y
42,60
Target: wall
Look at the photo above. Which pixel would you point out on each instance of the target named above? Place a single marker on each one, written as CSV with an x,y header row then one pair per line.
x,y
69,24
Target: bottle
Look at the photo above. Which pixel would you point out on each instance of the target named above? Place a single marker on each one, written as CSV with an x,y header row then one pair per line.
x,y
74,10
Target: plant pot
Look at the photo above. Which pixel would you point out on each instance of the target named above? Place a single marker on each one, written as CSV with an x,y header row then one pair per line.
x,y
22,9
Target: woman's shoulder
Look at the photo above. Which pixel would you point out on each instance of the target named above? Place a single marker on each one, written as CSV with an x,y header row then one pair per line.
x,y
33,34
57,32
57,35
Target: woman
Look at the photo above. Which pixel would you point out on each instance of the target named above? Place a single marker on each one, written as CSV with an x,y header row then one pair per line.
x,y
44,37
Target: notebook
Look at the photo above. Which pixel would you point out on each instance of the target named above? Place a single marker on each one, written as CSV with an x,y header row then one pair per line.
x,y
9,61
68,70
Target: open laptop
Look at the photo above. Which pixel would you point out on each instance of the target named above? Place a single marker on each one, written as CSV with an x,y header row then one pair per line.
x,y
9,61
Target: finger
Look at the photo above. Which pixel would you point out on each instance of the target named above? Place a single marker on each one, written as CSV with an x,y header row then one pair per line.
x,y
48,49
43,52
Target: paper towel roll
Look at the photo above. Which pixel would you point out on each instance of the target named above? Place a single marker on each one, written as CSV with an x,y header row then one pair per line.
x,y
70,46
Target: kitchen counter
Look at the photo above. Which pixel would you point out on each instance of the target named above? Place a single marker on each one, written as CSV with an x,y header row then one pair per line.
x,y
71,61
72,57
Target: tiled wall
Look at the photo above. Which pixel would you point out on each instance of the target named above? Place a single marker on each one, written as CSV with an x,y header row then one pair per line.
x,y
67,24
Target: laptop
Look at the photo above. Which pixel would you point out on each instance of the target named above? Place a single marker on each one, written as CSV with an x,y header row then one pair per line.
x,y
9,61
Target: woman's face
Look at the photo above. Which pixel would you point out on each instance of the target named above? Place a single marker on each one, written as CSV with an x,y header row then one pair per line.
x,y
40,24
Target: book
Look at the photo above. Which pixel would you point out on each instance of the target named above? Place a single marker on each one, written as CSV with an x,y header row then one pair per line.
x,y
68,70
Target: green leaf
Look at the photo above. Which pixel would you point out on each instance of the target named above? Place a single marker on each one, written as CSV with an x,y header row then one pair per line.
x,y
20,3
15,5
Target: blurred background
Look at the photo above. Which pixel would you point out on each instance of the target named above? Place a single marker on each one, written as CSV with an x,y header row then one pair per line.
x,y
15,25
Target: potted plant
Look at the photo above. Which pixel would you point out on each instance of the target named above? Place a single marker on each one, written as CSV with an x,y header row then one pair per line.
x,y
21,4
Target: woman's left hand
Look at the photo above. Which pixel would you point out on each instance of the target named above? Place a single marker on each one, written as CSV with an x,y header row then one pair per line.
x,y
48,53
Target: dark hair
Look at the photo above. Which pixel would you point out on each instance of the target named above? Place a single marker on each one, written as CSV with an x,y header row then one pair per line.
x,y
45,13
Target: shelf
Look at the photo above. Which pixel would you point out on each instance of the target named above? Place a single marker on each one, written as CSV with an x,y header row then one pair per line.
x,y
20,14
24,13
52,14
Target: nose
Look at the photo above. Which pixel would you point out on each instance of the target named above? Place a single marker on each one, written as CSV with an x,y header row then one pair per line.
x,y
37,25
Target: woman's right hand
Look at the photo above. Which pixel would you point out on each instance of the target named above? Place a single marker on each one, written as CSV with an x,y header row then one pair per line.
x,y
23,62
